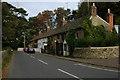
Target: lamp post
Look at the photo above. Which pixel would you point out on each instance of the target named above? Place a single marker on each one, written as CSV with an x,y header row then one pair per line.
x,y
55,46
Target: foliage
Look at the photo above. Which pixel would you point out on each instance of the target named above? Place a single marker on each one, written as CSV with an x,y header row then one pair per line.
x,y
14,23
84,9
118,21
7,58
102,8
70,38
96,36
43,21
111,38
83,42
60,13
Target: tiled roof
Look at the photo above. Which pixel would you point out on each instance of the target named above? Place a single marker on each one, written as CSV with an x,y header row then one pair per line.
x,y
66,27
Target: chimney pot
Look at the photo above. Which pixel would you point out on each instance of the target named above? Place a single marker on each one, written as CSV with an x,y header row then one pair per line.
x,y
94,10
108,10
93,4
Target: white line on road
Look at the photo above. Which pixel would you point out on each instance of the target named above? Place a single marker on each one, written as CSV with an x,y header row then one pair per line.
x,y
42,61
32,57
97,68
68,73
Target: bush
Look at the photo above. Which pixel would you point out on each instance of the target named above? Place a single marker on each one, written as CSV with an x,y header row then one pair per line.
x,y
111,39
81,42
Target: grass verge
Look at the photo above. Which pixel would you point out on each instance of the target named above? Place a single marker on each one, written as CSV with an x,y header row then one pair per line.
x,y
5,63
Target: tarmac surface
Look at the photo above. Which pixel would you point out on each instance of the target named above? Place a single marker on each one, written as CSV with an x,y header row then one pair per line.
x,y
109,63
46,66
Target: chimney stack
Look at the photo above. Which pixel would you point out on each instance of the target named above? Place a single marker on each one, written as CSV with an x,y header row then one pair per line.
x,y
94,10
109,19
109,11
48,28
64,21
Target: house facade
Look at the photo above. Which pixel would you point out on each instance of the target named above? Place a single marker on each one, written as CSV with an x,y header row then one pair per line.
x,y
54,41
97,20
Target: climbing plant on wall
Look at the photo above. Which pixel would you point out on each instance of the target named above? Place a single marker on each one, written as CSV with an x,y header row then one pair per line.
x,y
70,38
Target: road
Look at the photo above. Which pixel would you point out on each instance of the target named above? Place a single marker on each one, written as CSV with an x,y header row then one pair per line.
x,y
26,65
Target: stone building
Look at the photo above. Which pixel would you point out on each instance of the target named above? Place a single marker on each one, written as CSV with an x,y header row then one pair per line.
x,y
55,40
97,20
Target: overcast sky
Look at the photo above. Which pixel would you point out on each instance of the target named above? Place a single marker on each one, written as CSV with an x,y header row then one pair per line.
x,y
33,8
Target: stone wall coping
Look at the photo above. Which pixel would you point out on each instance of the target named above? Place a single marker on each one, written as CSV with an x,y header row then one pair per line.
x,y
104,47
97,47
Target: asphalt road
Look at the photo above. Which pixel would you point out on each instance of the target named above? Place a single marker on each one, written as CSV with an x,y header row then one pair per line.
x,y
40,66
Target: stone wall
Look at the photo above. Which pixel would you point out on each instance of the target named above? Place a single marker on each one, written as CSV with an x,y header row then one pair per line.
x,y
97,52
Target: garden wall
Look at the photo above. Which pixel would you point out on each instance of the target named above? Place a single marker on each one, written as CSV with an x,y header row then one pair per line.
x,y
97,52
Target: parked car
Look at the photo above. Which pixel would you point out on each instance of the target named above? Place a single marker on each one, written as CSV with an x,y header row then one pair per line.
x,y
29,50
25,49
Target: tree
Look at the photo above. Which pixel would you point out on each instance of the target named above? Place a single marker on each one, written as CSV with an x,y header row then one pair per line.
x,y
60,12
83,10
43,20
14,21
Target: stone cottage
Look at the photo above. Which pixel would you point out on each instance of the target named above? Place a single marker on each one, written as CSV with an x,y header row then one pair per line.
x,y
97,20
55,40
57,36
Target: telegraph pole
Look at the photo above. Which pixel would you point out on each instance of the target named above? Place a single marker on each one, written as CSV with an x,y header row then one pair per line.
x,y
88,7
24,40
67,4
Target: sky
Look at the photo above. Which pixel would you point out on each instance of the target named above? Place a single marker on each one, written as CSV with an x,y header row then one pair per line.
x,y
33,8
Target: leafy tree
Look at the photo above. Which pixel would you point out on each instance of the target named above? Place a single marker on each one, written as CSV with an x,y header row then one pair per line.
x,y
43,20
85,10
60,12
14,21
34,28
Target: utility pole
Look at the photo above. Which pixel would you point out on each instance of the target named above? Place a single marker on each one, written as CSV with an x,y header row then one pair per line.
x,y
24,40
88,7
67,4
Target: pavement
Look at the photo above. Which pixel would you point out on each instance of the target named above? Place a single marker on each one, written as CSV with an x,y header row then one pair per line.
x,y
25,65
108,63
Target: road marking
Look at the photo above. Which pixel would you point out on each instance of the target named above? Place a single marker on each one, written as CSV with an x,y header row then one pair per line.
x,y
32,57
68,73
97,68
42,61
